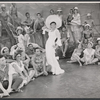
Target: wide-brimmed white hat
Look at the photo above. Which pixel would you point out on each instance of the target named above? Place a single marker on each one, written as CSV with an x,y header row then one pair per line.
x,y
19,28
53,18
88,14
3,5
3,50
59,9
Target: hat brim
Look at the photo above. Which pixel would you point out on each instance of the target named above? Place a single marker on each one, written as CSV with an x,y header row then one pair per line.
x,y
59,10
3,50
53,18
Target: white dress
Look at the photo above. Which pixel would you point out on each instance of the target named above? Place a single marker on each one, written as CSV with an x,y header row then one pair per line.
x,y
50,52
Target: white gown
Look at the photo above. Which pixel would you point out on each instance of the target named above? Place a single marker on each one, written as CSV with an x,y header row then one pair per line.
x,y
50,52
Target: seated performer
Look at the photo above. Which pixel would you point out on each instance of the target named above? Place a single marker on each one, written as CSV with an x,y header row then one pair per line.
x,y
7,84
89,53
97,50
5,52
30,49
76,55
19,67
39,63
64,39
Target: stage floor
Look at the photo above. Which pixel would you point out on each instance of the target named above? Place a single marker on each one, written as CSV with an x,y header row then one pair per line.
x,y
76,82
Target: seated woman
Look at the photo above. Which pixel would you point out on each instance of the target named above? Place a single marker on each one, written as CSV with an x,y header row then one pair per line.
x,y
5,52
20,68
76,55
3,77
26,61
7,84
39,63
64,39
97,50
89,53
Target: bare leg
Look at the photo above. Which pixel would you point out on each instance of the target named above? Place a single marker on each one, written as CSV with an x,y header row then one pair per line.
x,y
94,61
31,74
65,49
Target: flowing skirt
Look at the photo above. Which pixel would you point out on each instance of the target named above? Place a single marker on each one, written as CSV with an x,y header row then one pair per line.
x,y
52,60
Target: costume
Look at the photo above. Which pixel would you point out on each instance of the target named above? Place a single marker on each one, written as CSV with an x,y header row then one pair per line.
x,y
50,50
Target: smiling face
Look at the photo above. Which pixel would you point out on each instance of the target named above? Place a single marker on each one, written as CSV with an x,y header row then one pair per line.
x,y
38,52
38,15
53,26
75,11
19,32
27,15
3,9
18,57
30,47
89,17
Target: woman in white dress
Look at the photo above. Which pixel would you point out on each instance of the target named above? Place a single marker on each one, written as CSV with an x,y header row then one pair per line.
x,y
52,23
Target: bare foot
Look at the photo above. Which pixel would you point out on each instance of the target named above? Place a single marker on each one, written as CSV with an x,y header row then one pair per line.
x,y
80,65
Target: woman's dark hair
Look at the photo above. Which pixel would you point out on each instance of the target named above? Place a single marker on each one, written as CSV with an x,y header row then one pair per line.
x,y
53,23
27,13
30,44
51,10
39,14
17,53
3,50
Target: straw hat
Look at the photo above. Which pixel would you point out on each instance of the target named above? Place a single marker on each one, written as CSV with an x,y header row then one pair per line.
x,y
59,10
98,39
2,50
3,5
76,8
87,25
19,28
53,18
88,14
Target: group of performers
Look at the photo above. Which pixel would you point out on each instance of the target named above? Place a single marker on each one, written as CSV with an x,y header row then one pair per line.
x,y
34,44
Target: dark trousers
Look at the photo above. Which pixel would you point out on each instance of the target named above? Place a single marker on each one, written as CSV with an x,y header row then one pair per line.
x,y
16,82
5,84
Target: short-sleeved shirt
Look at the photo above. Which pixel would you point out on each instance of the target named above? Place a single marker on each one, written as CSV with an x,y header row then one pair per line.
x,y
89,55
12,69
